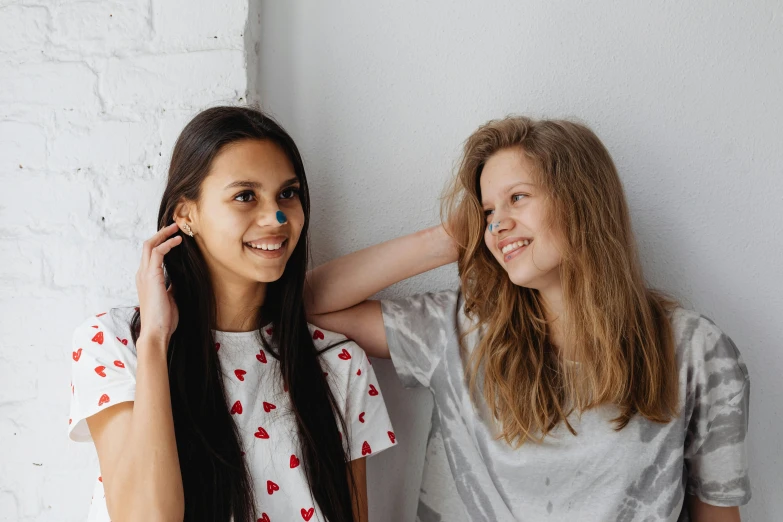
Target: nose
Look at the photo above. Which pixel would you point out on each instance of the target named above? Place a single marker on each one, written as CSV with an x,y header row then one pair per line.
x,y
498,225
271,215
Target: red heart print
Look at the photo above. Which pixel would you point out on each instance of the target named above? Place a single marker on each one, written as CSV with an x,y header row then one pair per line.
x,y
77,354
261,433
294,461
269,331
98,338
366,448
119,364
99,370
318,334
359,372
271,487
103,400
261,357
344,355
123,341
307,514
373,391
264,518
217,346
100,314
391,436
95,326
268,406
240,374
100,479
236,408
361,417
70,421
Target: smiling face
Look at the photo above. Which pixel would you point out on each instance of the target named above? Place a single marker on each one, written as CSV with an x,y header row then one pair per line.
x,y
236,219
518,232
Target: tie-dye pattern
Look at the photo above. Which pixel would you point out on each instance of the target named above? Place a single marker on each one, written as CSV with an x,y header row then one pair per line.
x,y
641,473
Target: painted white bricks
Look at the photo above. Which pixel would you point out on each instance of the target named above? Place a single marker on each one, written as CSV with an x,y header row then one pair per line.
x,y
178,79
92,96
23,30
99,28
65,85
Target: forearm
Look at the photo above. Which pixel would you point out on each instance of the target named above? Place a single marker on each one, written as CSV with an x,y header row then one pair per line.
x,y
359,491
147,482
351,279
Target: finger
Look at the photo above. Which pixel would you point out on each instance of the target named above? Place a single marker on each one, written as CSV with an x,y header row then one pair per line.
x,y
157,253
156,240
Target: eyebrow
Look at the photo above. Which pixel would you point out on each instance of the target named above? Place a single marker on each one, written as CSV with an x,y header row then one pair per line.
x,y
508,188
257,185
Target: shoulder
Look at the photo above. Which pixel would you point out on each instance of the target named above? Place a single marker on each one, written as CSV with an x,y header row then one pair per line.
x,y
701,343
423,309
698,334
444,299
330,344
109,328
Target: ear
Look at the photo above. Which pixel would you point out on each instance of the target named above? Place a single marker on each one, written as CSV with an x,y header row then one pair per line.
x,y
185,216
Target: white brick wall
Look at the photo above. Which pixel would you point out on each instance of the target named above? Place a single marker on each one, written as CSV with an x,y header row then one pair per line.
x,y
92,97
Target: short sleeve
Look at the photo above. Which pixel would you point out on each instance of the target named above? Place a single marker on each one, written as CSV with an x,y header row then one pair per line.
x,y
355,386
103,368
418,331
715,446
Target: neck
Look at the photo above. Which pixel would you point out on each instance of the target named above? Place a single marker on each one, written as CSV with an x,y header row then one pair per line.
x,y
552,298
238,305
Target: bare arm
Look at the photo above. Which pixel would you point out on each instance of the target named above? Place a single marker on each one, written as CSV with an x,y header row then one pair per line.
x,y
135,441
137,449
703,512
359,470
337,292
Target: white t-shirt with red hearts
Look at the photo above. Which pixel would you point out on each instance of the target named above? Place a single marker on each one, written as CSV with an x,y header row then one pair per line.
x,y
104,374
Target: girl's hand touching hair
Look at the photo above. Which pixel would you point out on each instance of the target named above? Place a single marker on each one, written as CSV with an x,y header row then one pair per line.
x,y
159,315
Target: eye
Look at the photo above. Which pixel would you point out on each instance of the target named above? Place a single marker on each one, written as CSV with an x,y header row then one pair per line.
x,y
289,193
488,213
518,197
245,197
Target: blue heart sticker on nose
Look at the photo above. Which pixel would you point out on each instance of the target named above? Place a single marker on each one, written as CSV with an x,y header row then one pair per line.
x,y
281,217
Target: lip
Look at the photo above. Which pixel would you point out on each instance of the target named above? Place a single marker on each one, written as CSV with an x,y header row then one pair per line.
x,y
509,240
517,251
268,254
268,239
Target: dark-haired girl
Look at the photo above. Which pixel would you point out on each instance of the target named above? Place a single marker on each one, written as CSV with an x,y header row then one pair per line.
x,y
214,399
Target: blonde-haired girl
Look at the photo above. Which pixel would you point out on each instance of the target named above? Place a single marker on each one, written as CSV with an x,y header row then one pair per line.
x,y
564,388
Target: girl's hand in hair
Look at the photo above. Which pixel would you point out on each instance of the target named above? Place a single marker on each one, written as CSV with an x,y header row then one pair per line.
x,y
159,315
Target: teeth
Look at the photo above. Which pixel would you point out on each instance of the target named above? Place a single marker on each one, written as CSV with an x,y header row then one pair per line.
x,y
265,246
513,246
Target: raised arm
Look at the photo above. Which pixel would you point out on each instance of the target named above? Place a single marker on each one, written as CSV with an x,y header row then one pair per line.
x,y
135,441
337,292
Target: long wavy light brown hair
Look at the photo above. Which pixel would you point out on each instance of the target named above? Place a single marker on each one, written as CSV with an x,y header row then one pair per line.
x,y
621,345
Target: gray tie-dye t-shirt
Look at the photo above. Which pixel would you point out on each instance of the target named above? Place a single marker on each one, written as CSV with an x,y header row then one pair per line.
x,y
641,473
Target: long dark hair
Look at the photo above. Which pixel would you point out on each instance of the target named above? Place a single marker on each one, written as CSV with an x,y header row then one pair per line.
x,y
216,480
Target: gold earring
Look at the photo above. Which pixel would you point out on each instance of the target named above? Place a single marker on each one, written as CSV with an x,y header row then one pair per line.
x,y
187,229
